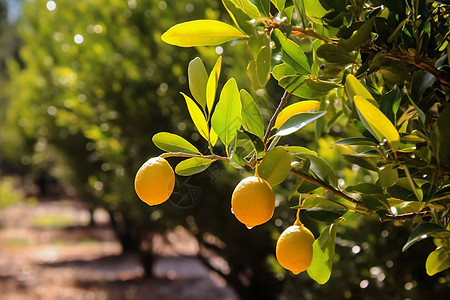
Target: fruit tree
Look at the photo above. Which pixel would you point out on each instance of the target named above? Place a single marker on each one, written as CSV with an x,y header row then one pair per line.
x,y
379,69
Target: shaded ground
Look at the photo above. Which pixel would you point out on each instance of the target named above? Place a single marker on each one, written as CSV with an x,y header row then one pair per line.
x,y
48,252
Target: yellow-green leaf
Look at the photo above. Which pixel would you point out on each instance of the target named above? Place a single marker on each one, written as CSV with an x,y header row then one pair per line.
x,y
192,166
438,261
355,88
201,33
197,81
170,142
197,117
294,109
227,117
211,86
378,124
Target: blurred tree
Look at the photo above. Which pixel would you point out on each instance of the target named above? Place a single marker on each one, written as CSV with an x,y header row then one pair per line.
x,y
96,84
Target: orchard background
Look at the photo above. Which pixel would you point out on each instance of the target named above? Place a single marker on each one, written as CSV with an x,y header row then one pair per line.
x,y
86,86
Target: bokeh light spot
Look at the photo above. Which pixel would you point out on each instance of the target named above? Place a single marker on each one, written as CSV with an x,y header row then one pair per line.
x,y
51,5
78,38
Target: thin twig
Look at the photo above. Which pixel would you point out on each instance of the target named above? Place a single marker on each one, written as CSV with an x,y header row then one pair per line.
x,y
326,187
405,217
283,101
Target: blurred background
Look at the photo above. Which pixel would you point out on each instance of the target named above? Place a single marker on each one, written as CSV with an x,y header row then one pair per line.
x,y
84,85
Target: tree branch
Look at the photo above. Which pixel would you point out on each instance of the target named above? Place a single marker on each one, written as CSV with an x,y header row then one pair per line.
x,y
327,187
405,217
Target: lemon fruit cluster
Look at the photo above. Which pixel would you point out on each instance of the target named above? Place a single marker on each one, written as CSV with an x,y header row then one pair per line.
x,y
253,201
154,181
294,248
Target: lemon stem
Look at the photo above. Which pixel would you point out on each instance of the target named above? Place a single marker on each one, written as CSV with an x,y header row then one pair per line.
x,y
297,219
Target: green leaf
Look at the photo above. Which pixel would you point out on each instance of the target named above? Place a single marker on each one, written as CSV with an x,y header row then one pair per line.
x,y
257,143
263,64
298,149
364,188
298,121
377,123
293,55
363,162
358,37
293,109
314,9
251,116
263,7
356,141
323,255
355,88
321,203
201,33
376,202
438,261
334,54
197,117
242,11
422,231
441,137
173,143
211,85
275,166
227,118
279,4
388,176
197,81
192,166
289,79
321,168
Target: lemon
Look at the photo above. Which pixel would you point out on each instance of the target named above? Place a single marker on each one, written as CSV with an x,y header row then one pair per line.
x,y
154,181
253,201
294,248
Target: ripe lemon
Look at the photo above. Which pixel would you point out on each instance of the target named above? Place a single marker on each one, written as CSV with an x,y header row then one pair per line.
x,y
253,201
294,248
154,181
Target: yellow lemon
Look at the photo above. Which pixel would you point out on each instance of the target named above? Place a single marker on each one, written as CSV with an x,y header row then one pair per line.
x,y
253,201
294,248
154,181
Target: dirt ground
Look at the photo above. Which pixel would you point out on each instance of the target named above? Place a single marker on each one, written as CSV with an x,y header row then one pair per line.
x,y
48,252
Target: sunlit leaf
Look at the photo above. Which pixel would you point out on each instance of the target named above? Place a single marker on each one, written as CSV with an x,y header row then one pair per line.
x,y
356,141
263,64
275,166
227,118
197,81
197,117
294,109
298,121
211,85
422,231
378,124
201,33
355,88
314,9
323,255
438,261
298,149
173,143
293,55
279,4
192,166
242,11
251,116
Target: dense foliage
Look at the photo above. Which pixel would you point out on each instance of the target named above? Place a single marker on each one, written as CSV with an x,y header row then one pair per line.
x,y
379,66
